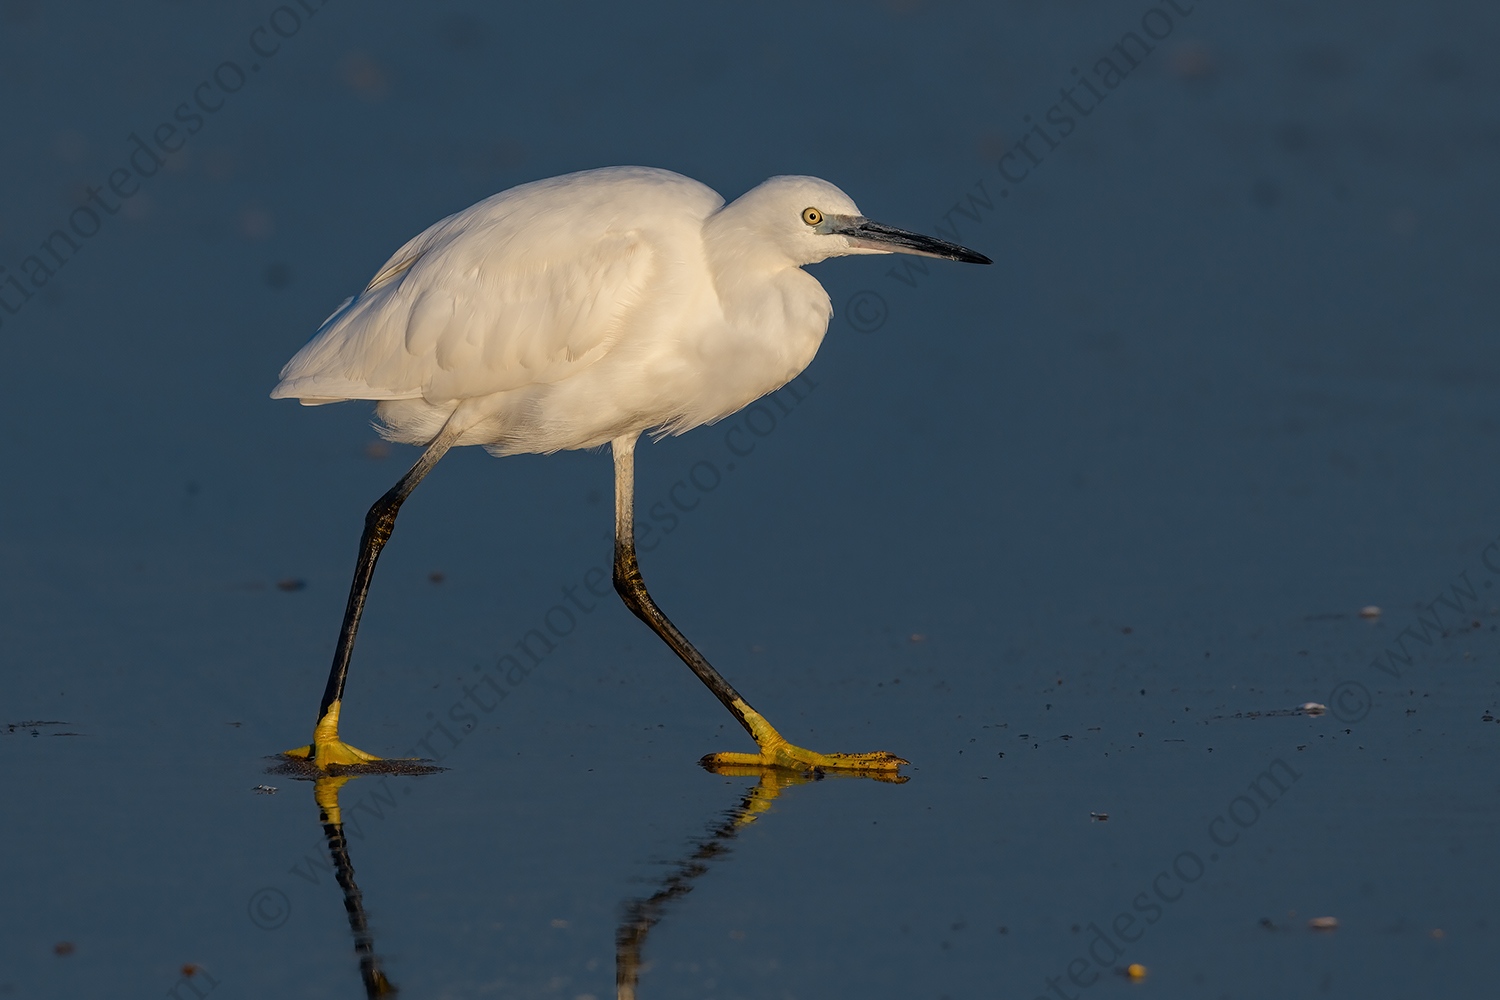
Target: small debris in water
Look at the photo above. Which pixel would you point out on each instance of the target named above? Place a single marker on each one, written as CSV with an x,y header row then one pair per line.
x,y
1135,970
1306,708
1099,817
1323,923
63,948
436,576
34,727
291,584
264,789
1370,611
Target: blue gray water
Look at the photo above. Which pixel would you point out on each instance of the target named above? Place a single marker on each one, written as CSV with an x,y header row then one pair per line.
x,y
1078,533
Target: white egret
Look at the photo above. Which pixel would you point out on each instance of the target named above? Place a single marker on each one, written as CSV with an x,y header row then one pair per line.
x,y
580,311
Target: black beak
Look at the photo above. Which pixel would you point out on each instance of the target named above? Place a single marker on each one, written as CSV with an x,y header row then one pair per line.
x,y
869,235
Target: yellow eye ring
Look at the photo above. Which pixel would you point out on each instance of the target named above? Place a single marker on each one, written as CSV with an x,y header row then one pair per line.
x,y
812,216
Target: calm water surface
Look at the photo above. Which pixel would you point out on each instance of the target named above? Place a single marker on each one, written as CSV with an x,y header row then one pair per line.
x,y
1078,534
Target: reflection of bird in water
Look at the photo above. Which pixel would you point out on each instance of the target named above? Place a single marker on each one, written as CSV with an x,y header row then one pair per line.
x,y
643,914
326,791
582,311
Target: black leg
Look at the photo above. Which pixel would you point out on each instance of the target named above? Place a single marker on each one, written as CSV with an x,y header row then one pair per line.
x,y
775,751
326,747
632,588
379,523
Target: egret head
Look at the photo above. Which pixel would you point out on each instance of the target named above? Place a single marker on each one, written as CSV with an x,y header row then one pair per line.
x,y
809,219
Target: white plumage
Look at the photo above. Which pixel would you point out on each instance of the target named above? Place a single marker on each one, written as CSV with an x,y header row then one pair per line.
x,y
567,312
581,311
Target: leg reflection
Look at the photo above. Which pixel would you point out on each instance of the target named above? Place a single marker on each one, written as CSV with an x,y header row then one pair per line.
x,y
642,914
326,791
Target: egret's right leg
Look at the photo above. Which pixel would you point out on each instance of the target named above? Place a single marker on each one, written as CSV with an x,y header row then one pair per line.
x,y
774,751
326,748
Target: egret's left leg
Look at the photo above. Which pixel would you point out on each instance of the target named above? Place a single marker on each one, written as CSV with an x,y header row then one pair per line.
x,y
775,751
326,749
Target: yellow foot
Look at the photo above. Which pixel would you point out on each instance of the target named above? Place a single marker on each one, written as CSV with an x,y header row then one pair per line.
x,y
332,752
775,751
327,749
794,758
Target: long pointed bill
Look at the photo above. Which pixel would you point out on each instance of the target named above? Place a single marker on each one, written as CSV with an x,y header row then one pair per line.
x,y
867,235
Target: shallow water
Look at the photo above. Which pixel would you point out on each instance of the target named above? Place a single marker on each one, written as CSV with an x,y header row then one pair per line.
x,y
1077,534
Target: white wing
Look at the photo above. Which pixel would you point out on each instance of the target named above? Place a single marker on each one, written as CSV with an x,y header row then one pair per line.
x,y
523,288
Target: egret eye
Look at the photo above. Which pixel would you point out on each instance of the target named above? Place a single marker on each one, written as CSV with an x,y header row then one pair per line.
x,y
812,216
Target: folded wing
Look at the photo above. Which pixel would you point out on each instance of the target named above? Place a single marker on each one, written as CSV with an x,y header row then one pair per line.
x,y
497,297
